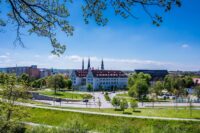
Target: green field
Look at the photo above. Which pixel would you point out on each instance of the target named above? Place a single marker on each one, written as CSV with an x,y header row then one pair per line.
x,y
169,112
112,124
68,95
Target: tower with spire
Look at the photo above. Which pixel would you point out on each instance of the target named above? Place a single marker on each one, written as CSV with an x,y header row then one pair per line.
x,y
82,64
88,64
102,65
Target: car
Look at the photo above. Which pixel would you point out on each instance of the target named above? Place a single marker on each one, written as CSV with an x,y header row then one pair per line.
x,y
85,100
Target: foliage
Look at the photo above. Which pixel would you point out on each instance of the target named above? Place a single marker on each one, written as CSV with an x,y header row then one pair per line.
x,y
177,84
89,87
138,84
74,126
2,78
197,91
157,88
133,104
123,104
101,123
107,96
11,114
38,83
140,89
56,82
69,84
25,80
68,95
116,102
45,18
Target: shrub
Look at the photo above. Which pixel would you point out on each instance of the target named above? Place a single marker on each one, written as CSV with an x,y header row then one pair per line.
x,y
107,96
123,104
133,104
116,102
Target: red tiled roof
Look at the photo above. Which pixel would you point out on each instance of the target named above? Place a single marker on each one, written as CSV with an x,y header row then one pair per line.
x,y
196,81
101,73
81,73
108,73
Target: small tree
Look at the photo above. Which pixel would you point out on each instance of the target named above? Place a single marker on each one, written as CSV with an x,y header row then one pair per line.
x,y
99,103
56,82
133,104
116,102
69,84
123,104
197,91
89,87
11,115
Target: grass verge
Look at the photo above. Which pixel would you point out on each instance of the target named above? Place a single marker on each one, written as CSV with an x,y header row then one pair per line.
x,y
112,124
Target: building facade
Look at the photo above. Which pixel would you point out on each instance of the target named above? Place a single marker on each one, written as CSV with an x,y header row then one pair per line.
x,y
32,71
99,79
155,74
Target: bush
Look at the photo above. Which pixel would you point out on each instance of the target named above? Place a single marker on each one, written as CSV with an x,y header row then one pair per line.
x,y
127,113
123,104
133,104
107,96
115,102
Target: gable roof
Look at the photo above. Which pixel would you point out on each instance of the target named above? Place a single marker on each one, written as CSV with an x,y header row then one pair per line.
x,y
81,73
108,74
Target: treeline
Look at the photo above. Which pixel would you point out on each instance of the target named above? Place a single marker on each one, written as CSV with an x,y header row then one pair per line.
x,y
55,81
140,85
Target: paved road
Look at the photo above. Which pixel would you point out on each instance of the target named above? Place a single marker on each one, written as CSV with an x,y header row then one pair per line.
x,y
93,103
105,104
107,114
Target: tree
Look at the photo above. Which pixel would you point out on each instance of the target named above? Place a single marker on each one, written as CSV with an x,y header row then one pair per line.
x,y
169,83
100,87
197,91
140,89
123,104
89,87
138,84
2,78
56,82
188,81
157,88
25,80
133,104
38,83
69,84
11,115
44,18
115,102
99,103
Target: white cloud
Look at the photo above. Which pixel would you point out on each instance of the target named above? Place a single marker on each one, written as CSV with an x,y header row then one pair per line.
x,y
51,57
37,56
3,56
185,46
75,62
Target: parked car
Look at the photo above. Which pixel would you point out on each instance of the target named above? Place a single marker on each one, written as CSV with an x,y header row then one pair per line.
x,y
85,100
163,97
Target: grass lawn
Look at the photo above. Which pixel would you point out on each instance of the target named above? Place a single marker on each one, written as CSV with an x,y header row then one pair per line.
x,y
128,98
112,124
123,95
169,112
69,95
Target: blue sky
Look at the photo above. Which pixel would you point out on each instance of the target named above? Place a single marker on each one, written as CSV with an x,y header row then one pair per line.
x,y
123,43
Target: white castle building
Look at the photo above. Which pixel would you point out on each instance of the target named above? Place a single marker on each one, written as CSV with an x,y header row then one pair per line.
x,y
99,79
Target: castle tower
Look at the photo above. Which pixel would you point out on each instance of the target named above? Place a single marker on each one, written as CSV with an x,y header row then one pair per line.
x,y
102,65
88,64
83,64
